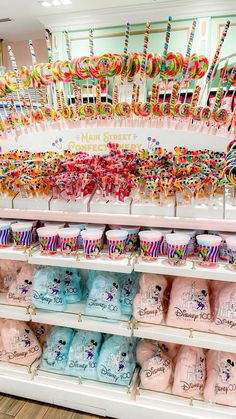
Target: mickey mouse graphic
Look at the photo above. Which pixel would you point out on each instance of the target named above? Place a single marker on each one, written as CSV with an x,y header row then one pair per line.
x,y
25,287
26,338
60,346
227,369
121,363
90,350
55,288
40,331
126,288
200,299
112,292
156,293
68,278
199,368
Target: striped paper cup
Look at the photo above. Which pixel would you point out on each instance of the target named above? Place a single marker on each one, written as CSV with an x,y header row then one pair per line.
x,y
4,233
177,248
48,240
116,243
208,250
92,242
68,241
22,235
149,244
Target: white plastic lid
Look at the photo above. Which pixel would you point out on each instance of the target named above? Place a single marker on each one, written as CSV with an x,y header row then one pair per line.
x,y
97,226
21,227
117,234
177,239
47,231
190,233
130,229
53,224
4,224
91,234
209,240
68,232
79,226
150,235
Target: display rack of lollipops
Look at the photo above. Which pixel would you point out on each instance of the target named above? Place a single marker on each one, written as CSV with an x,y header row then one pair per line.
x,y
133,316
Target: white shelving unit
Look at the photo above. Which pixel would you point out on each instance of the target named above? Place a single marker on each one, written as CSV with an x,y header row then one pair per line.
x,y
10,253
13,312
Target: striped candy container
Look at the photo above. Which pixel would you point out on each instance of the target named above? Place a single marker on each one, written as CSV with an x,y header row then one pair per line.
x,y
208,250
48,239
177,250
68,240
149,244
22,235
162,251
92,242
4,233
116,243
231,246
132,238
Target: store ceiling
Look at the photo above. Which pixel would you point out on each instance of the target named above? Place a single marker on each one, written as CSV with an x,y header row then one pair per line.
x,y
29,17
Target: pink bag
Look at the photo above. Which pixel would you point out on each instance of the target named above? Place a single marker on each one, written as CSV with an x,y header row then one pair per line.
x,y
20,346
20,289
190,372
189,304
156,373
220,385
8,273
224,318
147,349
148,305
40,330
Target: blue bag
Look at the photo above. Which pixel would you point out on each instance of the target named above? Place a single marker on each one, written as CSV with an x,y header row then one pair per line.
x,y
56,349
48,289
72,287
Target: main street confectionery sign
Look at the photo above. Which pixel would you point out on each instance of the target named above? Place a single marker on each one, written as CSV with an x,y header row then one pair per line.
x,y
93,137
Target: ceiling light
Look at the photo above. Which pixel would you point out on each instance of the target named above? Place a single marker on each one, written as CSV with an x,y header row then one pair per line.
x,y
65,2
56,3
46,4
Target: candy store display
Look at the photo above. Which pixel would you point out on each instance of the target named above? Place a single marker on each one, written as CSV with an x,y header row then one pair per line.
x,y
187,371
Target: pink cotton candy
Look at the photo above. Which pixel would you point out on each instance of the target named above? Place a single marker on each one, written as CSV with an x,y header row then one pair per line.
x,y
189,305
220,385
224,319
20,346
156,373
8,272
147,349
148,304
190,372
20,289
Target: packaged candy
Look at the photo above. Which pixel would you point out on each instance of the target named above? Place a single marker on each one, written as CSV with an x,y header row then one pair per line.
x,y
72,285
83,354
128,289
56,349
148,304
40,330
20,345
104,297
8,273
224,319
190,372
147,349
189,305
156,372
220,384
21,289
49,289
116,361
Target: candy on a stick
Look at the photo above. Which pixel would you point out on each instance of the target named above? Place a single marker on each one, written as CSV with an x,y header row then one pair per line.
x,y
115,94
174,97
145,47
218,98
217,52
189,47
126,44
49,47
166,46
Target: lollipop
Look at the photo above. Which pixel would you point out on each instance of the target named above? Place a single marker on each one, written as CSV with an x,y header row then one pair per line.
x,y
123,110
25,77
221,116
106,110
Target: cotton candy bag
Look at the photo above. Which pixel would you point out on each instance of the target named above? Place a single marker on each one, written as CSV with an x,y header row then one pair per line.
x,y
147,349
224,319
21,289
156,372
189,305
48,289
40,330
20,345
71,278
148,304
104,297
190,372
128,289
83,354
56,349
8,273
116,361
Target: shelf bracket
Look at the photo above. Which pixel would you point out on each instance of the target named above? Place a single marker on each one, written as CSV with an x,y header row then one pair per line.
x,y
80,380
191,401
79,317
27,309
136,324
33,310
129,260
128,389
190,333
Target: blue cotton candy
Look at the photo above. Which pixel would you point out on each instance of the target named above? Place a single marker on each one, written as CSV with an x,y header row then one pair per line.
x,y
71,278
128,290
116,362
48,289
83,355
56,349
104,297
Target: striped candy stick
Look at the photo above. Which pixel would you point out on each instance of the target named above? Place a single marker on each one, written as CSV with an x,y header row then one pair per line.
x,y
73,79
145,48
126,44
166,46
115,95
21,97
217,52
189,47
49,47
34,62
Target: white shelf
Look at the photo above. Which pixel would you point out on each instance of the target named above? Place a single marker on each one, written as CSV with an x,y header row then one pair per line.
x,y
13,254
161,266
8,311
182,336
126,219
102,263
75,318
104,399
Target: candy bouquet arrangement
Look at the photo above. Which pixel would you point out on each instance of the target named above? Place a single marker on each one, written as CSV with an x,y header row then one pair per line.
x,y
51,80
